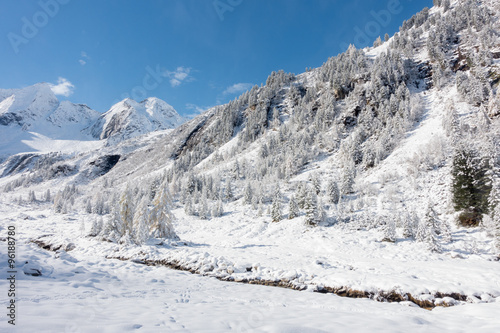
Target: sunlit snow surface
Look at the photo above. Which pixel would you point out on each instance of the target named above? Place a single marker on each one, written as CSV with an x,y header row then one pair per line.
x,y
82,291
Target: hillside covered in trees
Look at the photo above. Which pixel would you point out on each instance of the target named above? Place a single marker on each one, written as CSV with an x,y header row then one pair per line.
x,y
375,175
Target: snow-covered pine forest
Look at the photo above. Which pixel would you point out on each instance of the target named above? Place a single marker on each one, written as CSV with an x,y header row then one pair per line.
x,y
373,176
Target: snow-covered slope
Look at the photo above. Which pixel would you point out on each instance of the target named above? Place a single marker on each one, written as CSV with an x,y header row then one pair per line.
x,y
128,119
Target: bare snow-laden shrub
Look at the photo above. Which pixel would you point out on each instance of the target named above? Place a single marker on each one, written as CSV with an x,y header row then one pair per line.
x,y
392,193
389,230
388,177
434,153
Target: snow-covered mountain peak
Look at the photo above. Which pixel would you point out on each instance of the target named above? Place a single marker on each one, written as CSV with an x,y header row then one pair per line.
x,y
129,118
69,113
26,105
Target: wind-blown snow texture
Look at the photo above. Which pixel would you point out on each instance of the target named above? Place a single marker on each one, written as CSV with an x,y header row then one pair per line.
x,y
363,148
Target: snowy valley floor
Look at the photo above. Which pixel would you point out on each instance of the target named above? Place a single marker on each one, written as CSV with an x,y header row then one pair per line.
x,y
82,291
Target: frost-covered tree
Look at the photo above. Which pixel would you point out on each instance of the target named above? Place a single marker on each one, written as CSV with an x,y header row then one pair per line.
x,y
348,174
235,173
58,203
446,5
47,197
301,195
432,227
96,228
248,195
421,233
311,208
88,206
321,214
293,208
229,190
141,221
218,209
408,224
126,209
260,211
276,215
113,227
496,221
446,232
188,206
203,211
389,230
255,202
450,120
161,218
333,192
494,104
316,183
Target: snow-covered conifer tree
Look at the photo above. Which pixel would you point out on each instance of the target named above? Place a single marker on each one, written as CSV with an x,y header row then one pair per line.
x,y
321,214
389,230
96,228
220,208
32,196
431,225
236,170
255,202
293,208
229,190
450,120
311,208
161,217
260,211
113,227
407,222
348,174
421,233
316,183
188,206
276,206
191,183
58,203
301,195
47,197
203,211
446,232
141,221
126,209
88,206
333,191
248,195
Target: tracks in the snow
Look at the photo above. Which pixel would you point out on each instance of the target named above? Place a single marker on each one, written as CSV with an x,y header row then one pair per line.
x,y
429,301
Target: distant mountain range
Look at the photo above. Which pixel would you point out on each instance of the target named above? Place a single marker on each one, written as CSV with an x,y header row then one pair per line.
x,y
35,110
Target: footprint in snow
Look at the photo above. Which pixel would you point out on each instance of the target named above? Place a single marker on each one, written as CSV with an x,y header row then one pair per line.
x,y
184,298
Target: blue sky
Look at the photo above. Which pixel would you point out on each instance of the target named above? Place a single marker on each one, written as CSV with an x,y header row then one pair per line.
x,y
191,53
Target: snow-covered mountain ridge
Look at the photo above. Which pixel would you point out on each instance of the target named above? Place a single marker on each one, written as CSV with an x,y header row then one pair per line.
x,y
129,118
33,112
